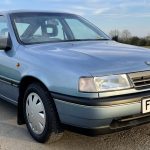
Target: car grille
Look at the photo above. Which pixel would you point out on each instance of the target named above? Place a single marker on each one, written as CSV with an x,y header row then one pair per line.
x,y
140,80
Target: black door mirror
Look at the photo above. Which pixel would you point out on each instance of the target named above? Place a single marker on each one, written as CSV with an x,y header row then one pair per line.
x,y
5,43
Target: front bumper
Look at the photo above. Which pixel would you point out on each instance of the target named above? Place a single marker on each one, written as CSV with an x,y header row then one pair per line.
x,y
103,115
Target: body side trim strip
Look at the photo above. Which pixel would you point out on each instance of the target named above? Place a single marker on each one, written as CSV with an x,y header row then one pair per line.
x,y
8,99
9,81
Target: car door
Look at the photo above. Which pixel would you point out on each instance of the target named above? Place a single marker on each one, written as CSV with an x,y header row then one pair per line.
x,y
8,68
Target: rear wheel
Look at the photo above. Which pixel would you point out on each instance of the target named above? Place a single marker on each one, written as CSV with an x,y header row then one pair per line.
x,y
40,114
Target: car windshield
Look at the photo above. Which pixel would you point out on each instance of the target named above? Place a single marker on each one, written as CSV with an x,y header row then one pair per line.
x,y
54,27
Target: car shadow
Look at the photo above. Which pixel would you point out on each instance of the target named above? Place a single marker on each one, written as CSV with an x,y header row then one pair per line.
x,y
8,122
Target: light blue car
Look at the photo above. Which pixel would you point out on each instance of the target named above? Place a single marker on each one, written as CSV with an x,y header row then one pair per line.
x,y
62,72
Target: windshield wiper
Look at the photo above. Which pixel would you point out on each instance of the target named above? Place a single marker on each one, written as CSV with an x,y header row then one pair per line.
x,y
74,40
99,39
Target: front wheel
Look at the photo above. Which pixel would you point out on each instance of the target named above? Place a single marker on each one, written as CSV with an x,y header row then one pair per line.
x,y
40,114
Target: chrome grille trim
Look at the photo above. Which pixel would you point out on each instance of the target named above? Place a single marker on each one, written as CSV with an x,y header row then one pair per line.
x,y
140,80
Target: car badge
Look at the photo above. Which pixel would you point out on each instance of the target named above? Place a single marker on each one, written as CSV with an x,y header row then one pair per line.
x,y
147,63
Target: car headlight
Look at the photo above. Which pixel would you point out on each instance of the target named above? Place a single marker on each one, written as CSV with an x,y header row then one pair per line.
x,y
104,84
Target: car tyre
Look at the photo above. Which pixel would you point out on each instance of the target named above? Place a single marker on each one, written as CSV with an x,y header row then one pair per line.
x,y
40,114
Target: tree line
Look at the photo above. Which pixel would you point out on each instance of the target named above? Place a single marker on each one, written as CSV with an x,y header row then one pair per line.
x,y
126,37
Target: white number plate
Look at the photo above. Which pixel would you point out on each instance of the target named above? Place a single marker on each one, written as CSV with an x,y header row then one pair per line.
x,y
146,105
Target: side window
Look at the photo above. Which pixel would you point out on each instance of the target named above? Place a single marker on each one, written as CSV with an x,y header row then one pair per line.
x,y
38,32
60,32
80,30
3,27
21,28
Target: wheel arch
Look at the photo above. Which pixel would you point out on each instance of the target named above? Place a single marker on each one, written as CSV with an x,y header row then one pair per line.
x,y
26,80
24,83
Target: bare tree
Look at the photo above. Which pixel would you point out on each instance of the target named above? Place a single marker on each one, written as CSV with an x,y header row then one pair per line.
x,y
126,34
114,33
148,37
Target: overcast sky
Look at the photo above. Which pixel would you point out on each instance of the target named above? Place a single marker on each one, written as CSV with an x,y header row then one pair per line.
x,y
133,15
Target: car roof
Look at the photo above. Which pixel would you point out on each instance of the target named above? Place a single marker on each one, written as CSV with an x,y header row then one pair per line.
x,y
29,11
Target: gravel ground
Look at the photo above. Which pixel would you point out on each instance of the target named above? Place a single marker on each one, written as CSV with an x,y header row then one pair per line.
x,y
14,137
